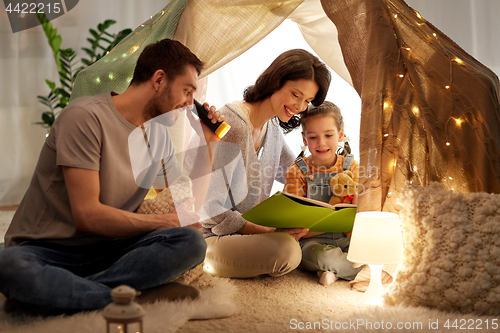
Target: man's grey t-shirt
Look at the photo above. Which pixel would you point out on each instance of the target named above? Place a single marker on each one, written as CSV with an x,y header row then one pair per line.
x,y
89,134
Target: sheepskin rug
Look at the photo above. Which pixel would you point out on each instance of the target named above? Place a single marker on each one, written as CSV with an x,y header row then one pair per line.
x,y
452,251
216,301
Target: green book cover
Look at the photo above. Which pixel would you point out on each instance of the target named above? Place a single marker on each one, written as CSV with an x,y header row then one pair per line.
x,y
284,210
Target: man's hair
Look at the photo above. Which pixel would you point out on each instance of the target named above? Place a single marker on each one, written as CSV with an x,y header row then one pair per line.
x,y
169,55
291,65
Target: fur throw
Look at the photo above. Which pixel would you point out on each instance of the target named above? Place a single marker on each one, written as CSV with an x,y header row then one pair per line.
x,y
452,251
167,199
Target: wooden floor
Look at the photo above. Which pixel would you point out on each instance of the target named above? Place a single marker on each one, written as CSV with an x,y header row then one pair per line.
x,y
10,207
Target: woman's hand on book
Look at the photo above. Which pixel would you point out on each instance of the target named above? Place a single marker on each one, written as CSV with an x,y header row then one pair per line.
x,y
296,233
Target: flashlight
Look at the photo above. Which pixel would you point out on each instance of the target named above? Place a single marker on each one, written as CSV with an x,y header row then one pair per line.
x,y
220,128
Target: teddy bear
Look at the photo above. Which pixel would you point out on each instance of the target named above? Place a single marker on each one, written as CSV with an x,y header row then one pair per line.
x,y
343,188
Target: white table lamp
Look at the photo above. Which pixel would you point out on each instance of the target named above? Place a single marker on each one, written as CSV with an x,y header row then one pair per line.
x,y
376,240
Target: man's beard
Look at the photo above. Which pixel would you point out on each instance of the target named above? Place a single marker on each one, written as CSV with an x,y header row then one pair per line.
x,y
159,105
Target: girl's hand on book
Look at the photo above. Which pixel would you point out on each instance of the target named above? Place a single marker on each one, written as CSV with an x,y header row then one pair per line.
x,y
296,233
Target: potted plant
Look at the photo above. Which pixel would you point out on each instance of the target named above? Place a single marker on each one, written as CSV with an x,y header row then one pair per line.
x,y
101,42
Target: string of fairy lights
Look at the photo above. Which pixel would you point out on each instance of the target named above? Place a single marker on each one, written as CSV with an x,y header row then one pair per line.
x,y
402,73
147,25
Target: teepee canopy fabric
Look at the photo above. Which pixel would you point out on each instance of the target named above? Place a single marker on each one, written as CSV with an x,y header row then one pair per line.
x,y
114,71
216,31
430,111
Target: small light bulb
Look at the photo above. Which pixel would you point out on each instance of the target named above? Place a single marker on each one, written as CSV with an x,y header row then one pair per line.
x,y
401,75
434,34
135,48
408,48
415,168
418,15
458,61
450,178
386,135
448,144
395,15
458,121
447,87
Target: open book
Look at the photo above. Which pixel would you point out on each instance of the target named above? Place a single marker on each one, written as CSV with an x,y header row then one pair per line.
x,y
285,210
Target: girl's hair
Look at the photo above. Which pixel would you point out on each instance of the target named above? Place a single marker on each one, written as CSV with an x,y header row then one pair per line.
x,y
326,109
291,65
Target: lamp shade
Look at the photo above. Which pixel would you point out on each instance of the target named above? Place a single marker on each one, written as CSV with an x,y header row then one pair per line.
x,y
376,239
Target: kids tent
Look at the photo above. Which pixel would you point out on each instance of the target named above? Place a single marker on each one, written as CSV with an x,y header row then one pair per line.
x,y
429,112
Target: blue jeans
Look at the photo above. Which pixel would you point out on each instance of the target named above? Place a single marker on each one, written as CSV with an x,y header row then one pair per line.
x,y
82,277
328,252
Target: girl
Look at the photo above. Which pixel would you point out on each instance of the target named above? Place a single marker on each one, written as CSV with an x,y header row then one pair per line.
x,y
236,247
322,130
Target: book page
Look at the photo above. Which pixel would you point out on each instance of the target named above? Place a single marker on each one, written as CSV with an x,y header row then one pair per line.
x,y
312,202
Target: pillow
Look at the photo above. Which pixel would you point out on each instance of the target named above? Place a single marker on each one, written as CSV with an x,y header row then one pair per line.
x,y
452,251
164,203
166,200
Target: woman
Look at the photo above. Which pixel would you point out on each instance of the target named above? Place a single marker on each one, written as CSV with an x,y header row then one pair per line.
x,y
236,247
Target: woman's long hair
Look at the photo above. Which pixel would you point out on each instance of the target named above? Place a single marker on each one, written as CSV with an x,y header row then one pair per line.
x,y
291,65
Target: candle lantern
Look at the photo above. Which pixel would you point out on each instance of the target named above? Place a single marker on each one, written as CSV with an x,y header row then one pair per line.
x,y
123,315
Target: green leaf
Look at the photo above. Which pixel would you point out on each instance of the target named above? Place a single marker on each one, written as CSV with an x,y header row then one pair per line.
x,y
48,118
55,43
44,101
106,40
42,18
51,84
64,94
94,33
108,23
65,66
89,52
87,62
92,42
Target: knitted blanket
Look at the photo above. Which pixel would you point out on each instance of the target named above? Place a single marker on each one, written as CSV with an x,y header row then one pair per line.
x,y
452,251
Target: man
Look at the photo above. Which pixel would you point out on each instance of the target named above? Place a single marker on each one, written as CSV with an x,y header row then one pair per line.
x,y
75,235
